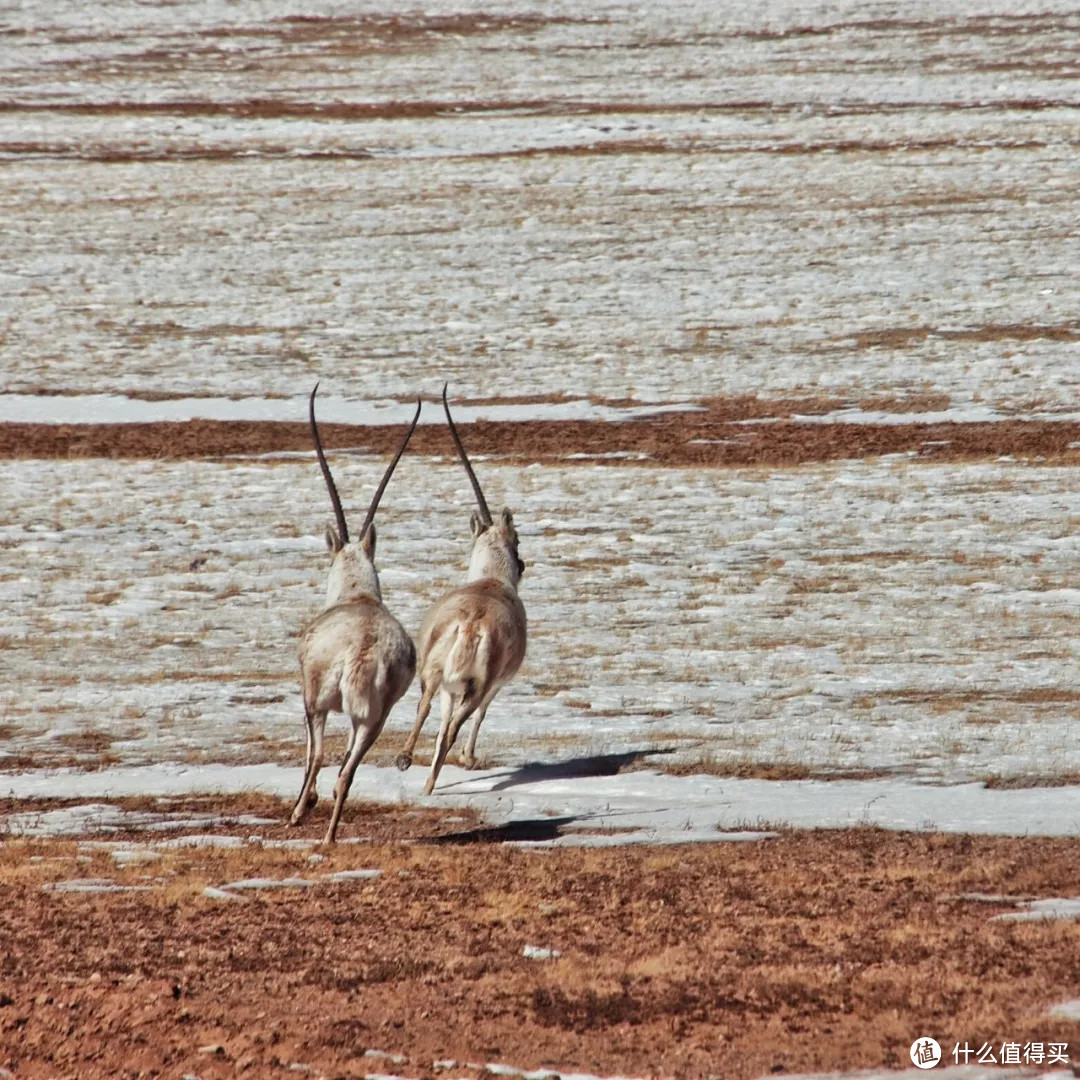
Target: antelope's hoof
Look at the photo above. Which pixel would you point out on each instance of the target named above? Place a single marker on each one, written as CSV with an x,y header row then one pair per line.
x,y
301,811
403,761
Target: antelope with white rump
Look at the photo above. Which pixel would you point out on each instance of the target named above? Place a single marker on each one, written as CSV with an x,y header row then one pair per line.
x,y
473,640
355,658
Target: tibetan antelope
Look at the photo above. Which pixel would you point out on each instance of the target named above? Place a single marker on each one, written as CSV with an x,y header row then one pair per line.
x,y
354,658
473,640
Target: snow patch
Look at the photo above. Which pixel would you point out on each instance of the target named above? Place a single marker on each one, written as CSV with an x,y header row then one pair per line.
x,y
354,875
1051,908
640,807
118,409
92,885
211,892
914,620
269,883
536,952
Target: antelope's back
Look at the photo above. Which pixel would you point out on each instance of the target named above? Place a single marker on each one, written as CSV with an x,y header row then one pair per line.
x,y
486,606
362,630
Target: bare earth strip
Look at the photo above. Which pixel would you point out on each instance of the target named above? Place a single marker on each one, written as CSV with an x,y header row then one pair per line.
x,y
805,952
707,438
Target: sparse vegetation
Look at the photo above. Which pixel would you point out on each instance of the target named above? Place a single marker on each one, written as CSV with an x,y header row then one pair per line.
x,y
820,950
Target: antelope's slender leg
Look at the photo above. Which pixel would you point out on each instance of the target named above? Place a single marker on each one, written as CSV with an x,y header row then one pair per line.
x,y
441,747
469,760
404,759
300,809
310,747
453,718
361,744
349,747
308,795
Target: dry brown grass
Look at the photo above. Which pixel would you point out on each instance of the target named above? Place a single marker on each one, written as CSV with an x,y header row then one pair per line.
x,y
1033,780
103,596
743,768
949,700
709,438
85,742
807,952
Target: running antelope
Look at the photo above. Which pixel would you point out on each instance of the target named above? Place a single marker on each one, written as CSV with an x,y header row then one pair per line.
x,y
473,640
354,658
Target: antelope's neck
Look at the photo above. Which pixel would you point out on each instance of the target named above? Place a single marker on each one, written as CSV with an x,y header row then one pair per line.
x,y
486,564
346,584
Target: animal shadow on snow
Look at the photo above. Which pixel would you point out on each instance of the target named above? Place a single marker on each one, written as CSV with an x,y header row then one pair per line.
x,y
540,830
535,830
534,772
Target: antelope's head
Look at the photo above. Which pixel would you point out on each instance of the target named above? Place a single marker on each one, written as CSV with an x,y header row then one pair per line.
x,y
352,562
495,543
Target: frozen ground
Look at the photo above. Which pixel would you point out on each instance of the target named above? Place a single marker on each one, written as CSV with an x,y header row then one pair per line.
x,y
568,805
118,409
45,408
651,201
886,618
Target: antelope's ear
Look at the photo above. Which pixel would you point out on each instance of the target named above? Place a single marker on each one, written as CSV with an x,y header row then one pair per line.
x,y
368,542
333,541
476,525
507,517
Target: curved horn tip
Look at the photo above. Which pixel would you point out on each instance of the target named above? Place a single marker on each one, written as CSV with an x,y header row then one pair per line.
x,y
369,520
335,499
485,513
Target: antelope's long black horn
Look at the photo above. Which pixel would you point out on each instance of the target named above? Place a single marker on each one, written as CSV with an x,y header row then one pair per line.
x,y
485,513
389,472
343,529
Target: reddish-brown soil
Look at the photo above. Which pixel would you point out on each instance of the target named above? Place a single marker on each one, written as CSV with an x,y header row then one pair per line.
x,y
809,951
712,436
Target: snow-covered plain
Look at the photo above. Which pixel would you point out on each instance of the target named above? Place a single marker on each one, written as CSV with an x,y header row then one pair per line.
x,y
891,617
118,409
651,201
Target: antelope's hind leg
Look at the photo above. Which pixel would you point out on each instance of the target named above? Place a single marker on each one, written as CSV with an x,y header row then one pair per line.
x,y
367,725
404,759
469,757
454,713
316,724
